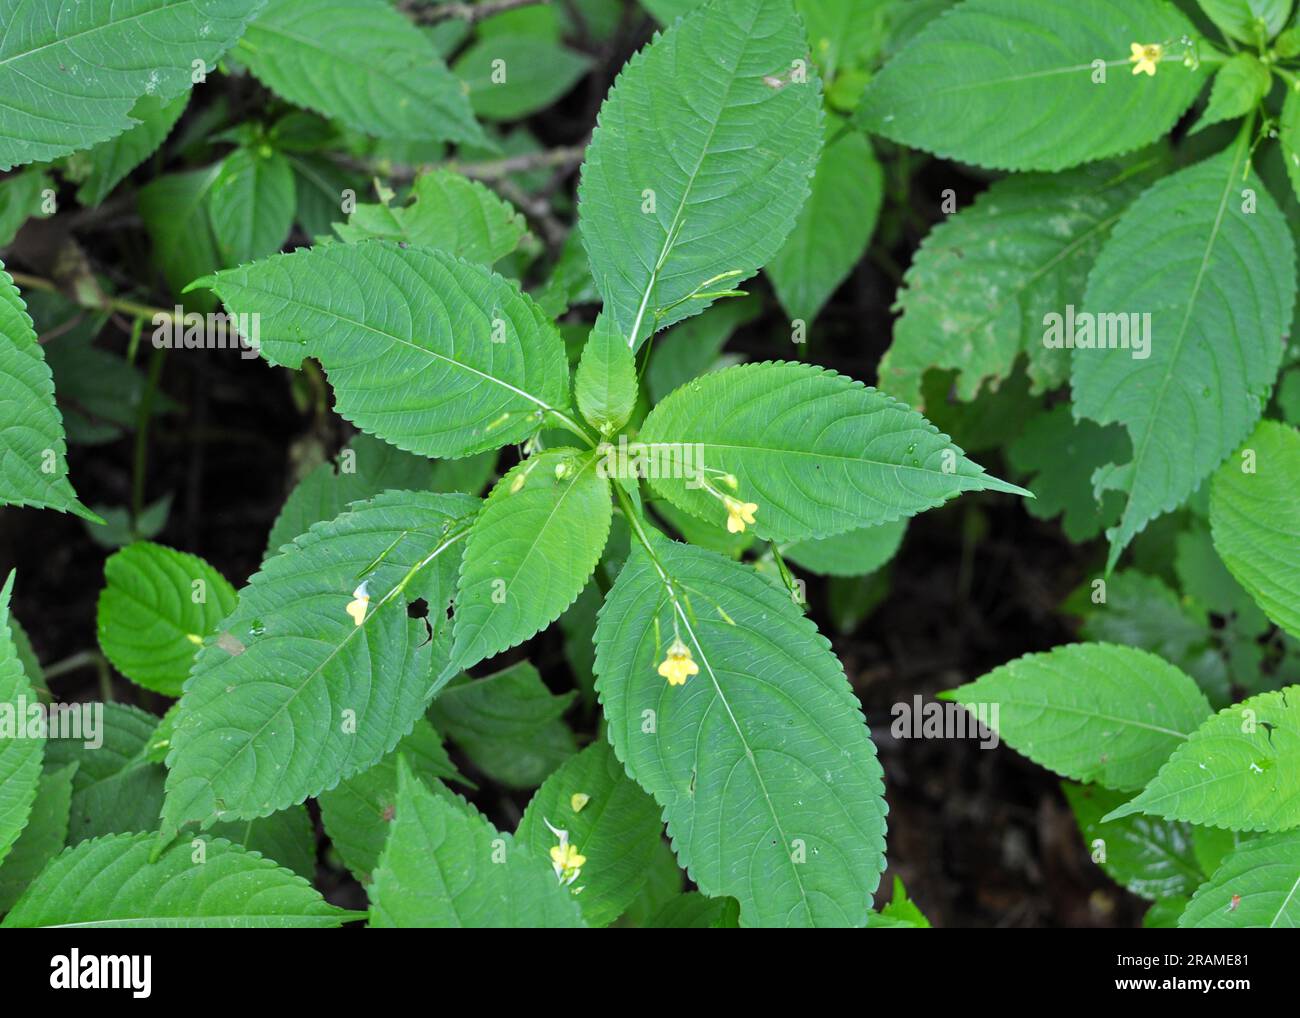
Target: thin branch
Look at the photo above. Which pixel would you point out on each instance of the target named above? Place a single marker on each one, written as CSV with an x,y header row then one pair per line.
x,y
564,157
469,12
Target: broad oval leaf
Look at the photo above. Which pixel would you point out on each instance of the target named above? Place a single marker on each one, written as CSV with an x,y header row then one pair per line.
x,y
33,454
1026,85
692,175
320,670
20,749
1089,711
71,73
104,166
157,606
818,453
1255,520
430,353
1255,887
607,818
251,205
852,553
510,76
444,865
43,837
606,381
1215,270
323,54
1239,770
112,882
762,762
531,551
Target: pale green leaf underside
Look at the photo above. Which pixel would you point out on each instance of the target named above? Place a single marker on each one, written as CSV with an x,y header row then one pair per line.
x,y
1240,770
1255,520
617,828
111,882
20,758
358,812
447,211
444,866
70,73
762,762
1091,711
532,550
361,62
834,226
817,452
152,617
1217,276
1257,886
293,695
727,155
978,289
33,460
430,353
1009,84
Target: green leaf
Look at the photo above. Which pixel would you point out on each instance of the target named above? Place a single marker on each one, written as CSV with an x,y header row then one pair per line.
x,y
819,453
695,911
116,788
511,76
606,384
833,228
723,154
21,198
1255,520
111,882
107,164
1244,19
695,346
430,353
71,78
288,837
1151,858
1254,888
320,670
1089,711
358,813
531,551
362,470
449,212
508,724
899,913
175,212
1061,453
1289,137
1239,770
852,553
1239,86
319,185
1016,84
762,762
323,54
444,865
975,296
33,454
155,610
42,839
251,205
20,749
1220,303
607,818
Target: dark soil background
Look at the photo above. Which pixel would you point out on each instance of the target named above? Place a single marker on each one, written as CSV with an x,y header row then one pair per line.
x,y
980,837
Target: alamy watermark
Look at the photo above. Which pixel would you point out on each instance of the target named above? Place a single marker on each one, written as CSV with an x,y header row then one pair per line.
x,y
1085,330
189,330
83,722
653,461
935,720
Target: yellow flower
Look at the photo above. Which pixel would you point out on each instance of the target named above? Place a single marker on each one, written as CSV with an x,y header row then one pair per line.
x,y
578,800
358,605
1146,57
677,667
738,514
566,860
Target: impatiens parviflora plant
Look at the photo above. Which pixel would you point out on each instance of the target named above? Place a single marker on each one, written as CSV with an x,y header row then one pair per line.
x,y
1197,811
334,672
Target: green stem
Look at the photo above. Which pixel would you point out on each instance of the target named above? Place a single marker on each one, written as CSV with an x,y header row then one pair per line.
x,y
126,307
143,414
569,424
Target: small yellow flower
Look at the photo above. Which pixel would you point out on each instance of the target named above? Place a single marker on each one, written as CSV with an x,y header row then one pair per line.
x,y
1146,57
566,860
738,514
358,605
578,800
678,666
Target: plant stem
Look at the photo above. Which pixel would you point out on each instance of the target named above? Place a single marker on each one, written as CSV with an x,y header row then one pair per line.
x,y
127,307
143,414
469,12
